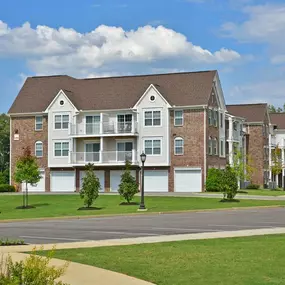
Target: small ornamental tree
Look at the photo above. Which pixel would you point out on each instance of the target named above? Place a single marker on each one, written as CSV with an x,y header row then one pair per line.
x,y
128,186
276,159
90,186
27,171
229,183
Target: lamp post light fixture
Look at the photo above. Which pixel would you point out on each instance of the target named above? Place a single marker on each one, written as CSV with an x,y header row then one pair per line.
x,y
142,205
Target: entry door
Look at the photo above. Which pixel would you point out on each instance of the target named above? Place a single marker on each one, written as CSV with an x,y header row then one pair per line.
x,y
124,151
92,152
92,125
125,123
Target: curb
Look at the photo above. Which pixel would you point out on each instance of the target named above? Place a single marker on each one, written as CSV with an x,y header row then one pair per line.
x,y
138,214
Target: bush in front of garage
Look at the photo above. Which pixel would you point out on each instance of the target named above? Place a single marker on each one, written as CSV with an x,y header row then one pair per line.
x,y
7,188
214,179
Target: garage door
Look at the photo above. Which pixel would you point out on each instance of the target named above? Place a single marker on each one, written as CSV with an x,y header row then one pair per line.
x,y
62,181
156,181
100,174
187,180
115,179
38,187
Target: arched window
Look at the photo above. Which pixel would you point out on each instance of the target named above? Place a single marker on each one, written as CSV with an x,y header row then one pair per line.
x,y
178,146
39,149
210,150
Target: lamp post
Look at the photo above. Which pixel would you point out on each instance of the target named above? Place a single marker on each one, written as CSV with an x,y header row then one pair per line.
x,y
142,205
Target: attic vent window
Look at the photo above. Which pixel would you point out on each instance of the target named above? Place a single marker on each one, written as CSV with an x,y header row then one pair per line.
x,y
152,98
61,102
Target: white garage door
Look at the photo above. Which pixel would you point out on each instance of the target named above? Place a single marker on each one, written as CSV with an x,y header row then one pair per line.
x,y
38,187
115,179
100,174
62,181
156,181
188,180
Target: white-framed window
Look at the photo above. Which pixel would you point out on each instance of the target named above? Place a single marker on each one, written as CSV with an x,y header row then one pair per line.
x,y
222,148
210,114
210,152
215,118
152,146
152,118
39,149
61,149
61,122
178,118
215,146
38,123
221,120
178,146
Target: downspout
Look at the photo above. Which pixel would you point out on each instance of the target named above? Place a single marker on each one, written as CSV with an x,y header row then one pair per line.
x,y
10,174
205,146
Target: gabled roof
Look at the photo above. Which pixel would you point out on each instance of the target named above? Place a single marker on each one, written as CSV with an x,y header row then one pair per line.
x,y
180,89
278,119
252,113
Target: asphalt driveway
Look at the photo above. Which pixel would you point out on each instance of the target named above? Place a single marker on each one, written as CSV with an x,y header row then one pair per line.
x,y
84,229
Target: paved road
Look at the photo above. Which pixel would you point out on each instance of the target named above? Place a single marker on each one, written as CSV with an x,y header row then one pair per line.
x,y
66,230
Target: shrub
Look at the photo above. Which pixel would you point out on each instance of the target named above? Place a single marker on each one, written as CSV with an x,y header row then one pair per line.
x,y
128,186
6,242
4,177
214,178
229,183
90,187
253,186
33,270
7,188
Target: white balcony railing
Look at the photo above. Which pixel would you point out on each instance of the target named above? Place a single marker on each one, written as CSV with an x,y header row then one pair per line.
x,y
103,128
236,135
103,157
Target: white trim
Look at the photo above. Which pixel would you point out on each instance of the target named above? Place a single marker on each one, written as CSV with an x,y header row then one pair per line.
x,y
26,114
187,168
205,145
39,142
61,92
176,139
144,94
152,110
39,116
153,139
178,110
189,107
167,139
10,158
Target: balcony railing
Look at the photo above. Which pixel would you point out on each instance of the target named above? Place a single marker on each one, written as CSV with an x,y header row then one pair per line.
x,y
236,135
103,157
103,128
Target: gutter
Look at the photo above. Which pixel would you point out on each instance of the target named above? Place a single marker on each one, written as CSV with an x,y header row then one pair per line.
x,y
205,145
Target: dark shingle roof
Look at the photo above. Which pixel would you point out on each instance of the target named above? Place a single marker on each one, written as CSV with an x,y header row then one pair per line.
x,y
250,112
278,119
180,89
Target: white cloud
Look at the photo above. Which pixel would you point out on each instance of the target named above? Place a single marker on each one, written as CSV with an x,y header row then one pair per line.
x,y
59,50
264,24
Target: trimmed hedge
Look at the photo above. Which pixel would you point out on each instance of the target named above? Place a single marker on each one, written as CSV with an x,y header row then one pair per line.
x,y
253,186
7,188
214,179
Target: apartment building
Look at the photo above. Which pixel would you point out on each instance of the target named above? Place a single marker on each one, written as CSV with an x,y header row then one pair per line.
x,y
252,135
178,120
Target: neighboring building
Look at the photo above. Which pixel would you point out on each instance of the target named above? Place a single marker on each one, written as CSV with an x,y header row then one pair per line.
x,y
178,120
277,139
256,137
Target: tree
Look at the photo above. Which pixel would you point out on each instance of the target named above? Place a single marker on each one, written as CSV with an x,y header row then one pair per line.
x,y
276,159
128,186
242,166
90,187
214,178
273,109
229,183
27,171
4,147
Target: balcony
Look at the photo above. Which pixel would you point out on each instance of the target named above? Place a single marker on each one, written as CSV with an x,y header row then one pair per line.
x,y
103,157
104,129
273,141
236,136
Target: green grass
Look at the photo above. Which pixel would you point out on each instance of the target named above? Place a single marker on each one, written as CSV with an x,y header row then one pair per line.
x,y
264,192
234,261
67,205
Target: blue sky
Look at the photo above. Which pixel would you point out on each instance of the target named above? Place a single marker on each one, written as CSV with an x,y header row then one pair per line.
x,y
243,39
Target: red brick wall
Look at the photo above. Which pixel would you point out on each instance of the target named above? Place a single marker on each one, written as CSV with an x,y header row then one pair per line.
x,y
192,132
28,137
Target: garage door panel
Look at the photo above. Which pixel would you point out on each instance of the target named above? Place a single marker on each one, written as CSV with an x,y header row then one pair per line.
x,y
101,176
188,180
38,187
62,181
156,180
115,179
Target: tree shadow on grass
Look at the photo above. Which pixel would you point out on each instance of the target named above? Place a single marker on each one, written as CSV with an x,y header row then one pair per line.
x,y
89,209
129,204
242,192
40,205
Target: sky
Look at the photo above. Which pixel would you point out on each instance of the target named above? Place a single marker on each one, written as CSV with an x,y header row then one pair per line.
x,y
243,39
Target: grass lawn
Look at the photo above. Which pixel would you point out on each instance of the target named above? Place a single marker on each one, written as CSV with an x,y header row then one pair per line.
x,y
67,205
263,192
234,261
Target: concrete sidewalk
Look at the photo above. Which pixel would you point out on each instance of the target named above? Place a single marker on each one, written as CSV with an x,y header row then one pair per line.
x,y
80,274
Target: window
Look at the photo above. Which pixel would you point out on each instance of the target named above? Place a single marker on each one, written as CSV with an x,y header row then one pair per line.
x,y
39,123
39,149
92,125
61,122
215,117
124,151
152,147
235,126
152,118
152,98
215,146
125,123
221,120
210,146
61,148
222,148
210,117
178,118
178,146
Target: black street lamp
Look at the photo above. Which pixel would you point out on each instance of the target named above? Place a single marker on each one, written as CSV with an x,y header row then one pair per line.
x,y
142,205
